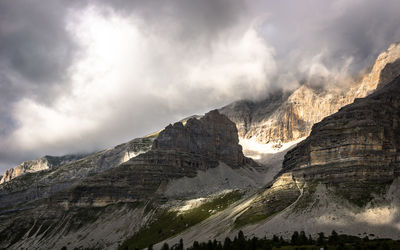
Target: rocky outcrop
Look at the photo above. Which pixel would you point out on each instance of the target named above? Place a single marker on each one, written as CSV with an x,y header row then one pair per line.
x,y
214,136
285,117
178,151
356,149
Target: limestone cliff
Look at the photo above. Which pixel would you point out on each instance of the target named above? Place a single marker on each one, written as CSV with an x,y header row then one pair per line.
x,y
284,117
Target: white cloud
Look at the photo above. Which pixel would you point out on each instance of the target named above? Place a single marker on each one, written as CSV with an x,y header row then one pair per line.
x,y
129,78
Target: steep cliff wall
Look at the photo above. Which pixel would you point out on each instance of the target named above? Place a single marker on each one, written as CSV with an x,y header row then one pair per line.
x,y
355,149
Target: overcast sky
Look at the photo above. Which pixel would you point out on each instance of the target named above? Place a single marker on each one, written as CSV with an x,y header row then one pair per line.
x,y
79,76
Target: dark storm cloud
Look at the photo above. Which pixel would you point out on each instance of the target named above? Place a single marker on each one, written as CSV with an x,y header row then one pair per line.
x,y
34,42
35,51
191,18
340,29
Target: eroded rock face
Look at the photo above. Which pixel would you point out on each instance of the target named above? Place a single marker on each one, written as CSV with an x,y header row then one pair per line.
x,y
355,149
285,117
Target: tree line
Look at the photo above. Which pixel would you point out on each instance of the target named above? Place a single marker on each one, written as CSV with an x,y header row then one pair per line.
x,y
298,240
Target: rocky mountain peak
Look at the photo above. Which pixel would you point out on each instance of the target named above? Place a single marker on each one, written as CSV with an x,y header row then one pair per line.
x,y
213,136
382,72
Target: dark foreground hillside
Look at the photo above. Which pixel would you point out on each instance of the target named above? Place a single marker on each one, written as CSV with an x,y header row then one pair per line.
x,y
298,241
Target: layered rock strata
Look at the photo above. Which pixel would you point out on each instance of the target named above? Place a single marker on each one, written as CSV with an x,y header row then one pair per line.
x,y
356,149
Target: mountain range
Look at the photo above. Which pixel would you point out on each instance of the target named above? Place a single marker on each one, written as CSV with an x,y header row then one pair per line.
x,y
313,158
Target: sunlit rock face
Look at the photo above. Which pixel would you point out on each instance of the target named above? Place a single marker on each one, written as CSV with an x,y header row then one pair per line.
x,y
288,116
356,149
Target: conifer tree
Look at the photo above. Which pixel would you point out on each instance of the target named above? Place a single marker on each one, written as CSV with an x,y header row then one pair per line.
x,y
295,238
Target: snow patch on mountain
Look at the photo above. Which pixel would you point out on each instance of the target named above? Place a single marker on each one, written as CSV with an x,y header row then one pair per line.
x,y
254,149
